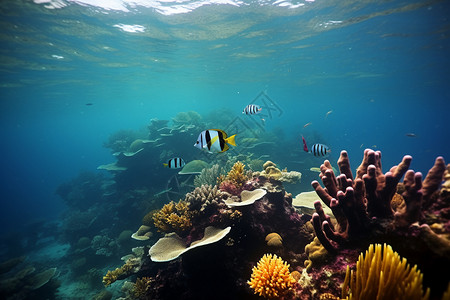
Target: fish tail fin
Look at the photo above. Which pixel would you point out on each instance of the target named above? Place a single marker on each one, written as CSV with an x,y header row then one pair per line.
x,y
230,140
165,165
305,147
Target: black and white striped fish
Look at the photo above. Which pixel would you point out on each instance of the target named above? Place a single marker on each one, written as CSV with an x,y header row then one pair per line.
x,y
319,150
214,141
252,109
316,149
175,163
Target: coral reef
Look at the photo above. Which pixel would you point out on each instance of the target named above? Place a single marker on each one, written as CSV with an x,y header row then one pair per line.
x,y
383,274
363,211
174,217
172,246
319,242
272,172
122,272
246,198
274,240
209,176
271,277
143,233
234,182
141,287
18,281
317,254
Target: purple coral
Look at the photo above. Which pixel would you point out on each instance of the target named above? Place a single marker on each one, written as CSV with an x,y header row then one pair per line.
x,y
360,205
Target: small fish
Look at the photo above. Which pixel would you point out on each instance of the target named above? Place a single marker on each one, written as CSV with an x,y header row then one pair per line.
x,y
410,134
328,113
252,109
214,141
175,163
316,149
307,124
89,104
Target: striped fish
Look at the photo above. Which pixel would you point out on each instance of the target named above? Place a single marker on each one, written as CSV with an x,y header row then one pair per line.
x,y
175,163
214,141
319,150
316,149
252,109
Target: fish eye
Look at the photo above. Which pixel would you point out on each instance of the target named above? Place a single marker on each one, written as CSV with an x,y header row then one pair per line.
x,y
197,142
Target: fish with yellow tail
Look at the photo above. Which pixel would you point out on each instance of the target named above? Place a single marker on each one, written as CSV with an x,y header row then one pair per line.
x,y
316,149
214,141
175,163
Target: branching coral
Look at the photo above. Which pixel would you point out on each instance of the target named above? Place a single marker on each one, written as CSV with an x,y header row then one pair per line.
x,y
382,274
271,277
235,179
174,217
201,197
141,287
357,203
112,276
209,176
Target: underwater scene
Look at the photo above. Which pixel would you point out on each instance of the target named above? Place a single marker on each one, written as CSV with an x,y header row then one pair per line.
x,y
224,149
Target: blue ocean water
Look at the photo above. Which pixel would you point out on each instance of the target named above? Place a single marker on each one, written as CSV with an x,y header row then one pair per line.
x,y
75,72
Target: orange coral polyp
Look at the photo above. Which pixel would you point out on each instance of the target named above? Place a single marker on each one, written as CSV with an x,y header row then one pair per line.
x,y
271,277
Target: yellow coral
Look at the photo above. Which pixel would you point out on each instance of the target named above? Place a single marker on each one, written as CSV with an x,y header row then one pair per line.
x,y
383,274
173,217
271,277
112,276
237,175
316,254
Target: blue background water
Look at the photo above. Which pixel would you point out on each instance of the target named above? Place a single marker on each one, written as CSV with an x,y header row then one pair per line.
x,y
383,71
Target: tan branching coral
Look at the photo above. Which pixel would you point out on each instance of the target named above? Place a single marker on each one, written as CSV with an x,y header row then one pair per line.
x,y
174,217
271,277
201,197
235,180
112,276
237,175
142,287
383,274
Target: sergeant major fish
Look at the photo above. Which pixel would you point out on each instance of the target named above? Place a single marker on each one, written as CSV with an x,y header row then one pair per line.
x,y
175,163
214,141
252,109
316,149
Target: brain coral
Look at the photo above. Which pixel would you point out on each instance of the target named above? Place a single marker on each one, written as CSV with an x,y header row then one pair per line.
x,y
383,274
271,277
